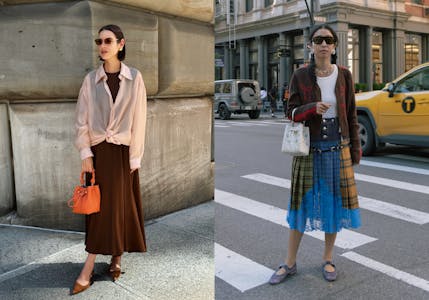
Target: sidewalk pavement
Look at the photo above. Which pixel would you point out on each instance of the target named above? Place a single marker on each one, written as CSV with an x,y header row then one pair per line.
x,y
179,264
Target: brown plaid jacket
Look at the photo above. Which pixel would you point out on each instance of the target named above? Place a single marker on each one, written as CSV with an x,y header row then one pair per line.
x,y
304,93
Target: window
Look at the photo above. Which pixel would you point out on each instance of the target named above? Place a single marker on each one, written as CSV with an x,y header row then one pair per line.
x,y
298,51
253,71
219,62
219,8
273,76
415,83
218,88
353,52
253,59
412,50
268,3
223,88
411,56
249,5
273,45
424,79
377,57
253,51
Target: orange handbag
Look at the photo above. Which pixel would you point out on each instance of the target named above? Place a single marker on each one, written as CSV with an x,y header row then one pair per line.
x,y
86,199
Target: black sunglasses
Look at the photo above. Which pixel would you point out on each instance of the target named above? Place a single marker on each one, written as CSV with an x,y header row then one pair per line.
x,y
107,41
328,39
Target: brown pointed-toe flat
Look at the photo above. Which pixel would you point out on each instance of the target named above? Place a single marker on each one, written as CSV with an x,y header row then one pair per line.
x,y
77,288
115,271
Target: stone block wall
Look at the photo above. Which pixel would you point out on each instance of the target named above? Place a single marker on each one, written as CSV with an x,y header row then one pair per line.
x,y
6,182
47,48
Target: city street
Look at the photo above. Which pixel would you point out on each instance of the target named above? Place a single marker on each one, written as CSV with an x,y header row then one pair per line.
x,y
386,258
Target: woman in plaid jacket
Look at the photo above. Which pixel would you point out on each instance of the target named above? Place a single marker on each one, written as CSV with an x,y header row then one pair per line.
x,y
323,190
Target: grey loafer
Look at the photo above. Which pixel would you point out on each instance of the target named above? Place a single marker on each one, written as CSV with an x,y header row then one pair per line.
x,y
329,276
276,279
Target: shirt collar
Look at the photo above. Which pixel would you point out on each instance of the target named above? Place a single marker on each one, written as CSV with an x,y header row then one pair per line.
x,y
125,73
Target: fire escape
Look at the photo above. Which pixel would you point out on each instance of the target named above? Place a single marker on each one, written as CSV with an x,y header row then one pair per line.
x,y
228,10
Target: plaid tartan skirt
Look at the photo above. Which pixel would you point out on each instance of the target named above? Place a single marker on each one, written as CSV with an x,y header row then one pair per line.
x,y
323,190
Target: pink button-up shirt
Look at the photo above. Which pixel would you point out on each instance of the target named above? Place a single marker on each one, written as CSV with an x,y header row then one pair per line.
x,y
98,119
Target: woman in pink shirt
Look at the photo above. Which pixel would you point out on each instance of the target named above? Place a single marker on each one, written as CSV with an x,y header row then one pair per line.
x,y
110,134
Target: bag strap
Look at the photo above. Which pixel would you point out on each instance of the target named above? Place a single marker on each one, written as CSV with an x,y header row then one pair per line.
x,y
70,202
293,114
92,178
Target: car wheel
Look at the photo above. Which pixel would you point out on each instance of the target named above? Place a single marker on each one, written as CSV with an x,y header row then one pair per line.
x,y
247,95
366,135
254,114
224,112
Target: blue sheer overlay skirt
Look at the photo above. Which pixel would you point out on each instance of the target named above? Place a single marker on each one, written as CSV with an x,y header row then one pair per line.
x,y
327,197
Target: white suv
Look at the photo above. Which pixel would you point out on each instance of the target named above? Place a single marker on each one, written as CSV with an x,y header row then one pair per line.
x,y
237,96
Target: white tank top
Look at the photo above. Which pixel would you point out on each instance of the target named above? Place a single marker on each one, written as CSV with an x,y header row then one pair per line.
x,y
327,87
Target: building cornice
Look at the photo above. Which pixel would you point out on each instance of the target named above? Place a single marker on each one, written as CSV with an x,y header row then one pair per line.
x,y
333,13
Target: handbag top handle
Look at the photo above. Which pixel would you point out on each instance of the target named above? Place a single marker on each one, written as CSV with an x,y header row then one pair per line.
x,y
92,178
293,114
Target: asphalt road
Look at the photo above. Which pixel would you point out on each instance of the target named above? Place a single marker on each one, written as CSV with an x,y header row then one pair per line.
x,y
386,258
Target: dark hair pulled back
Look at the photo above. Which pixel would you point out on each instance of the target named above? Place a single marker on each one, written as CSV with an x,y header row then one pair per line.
x,y
333,56
119,35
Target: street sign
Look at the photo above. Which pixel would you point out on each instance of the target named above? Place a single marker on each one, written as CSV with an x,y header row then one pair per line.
x,y
219,62
320,19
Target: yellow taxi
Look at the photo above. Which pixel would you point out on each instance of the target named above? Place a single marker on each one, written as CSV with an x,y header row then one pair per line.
x,y
397,114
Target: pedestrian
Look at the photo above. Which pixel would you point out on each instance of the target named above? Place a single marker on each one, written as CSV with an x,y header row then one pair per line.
x,y
323,191
263,94
272,94
110,126
285,98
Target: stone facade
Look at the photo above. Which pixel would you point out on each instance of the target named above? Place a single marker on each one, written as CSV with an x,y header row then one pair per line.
x,y
378,40
6,182
47,48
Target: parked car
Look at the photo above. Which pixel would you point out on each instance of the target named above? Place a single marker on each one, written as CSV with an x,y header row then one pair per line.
x,y
397,114
237,96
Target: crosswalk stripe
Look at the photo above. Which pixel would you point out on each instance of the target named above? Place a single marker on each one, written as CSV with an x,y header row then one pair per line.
x,y
239,271
394,211
243,124
409,157
346,239
361,177
384,208
272,123
247,123
388,270
273,180
393,183
221,126
394,167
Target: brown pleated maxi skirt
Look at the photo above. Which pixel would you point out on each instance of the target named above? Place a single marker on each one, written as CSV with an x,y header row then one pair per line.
x,y
119,226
